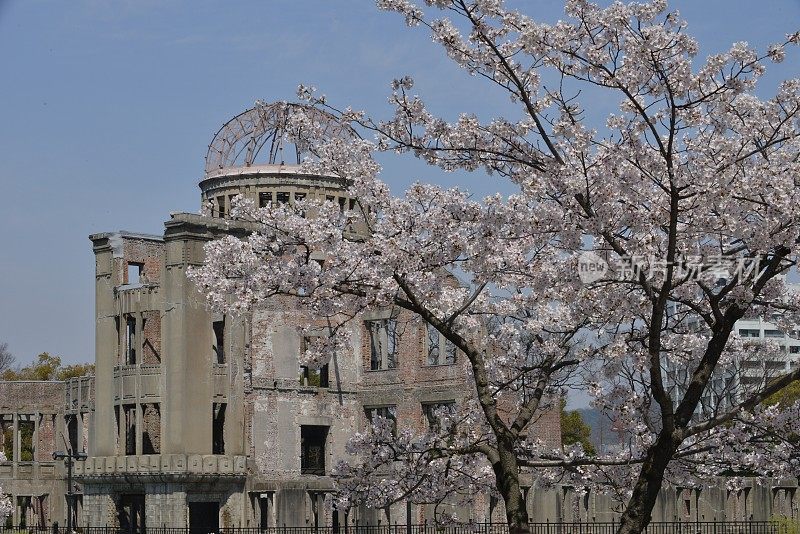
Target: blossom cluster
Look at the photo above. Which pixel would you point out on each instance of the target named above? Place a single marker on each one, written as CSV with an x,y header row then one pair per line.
x,y
5,501
692,164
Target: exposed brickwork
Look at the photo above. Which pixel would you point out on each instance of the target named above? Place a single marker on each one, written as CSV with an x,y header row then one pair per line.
x,y
146,252
152,337
151,427
28,397
41,407
48,441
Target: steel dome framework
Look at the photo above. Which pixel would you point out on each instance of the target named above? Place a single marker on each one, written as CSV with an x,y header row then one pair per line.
x,y
260,136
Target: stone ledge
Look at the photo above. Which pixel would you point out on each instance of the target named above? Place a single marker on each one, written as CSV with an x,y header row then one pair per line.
x,y
162,464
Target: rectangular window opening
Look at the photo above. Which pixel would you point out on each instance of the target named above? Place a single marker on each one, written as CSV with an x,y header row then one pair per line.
x,y
433,345
219,341
72,432
383,337
264,199
312,449
310,376
25,428
129,411
151,429
134,273
130,341
433,412
7,436
314,377
386,412
300,197
449,353
24,510
130,513
264,501
282,197
218,429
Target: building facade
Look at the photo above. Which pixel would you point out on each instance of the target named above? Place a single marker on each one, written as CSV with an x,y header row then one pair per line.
x,y
38,418
206,420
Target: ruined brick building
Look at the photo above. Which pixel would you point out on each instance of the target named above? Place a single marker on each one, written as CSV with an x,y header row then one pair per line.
x,y
205,420
36,419
208,418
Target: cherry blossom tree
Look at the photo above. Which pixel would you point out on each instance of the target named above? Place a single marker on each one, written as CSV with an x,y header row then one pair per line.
x,y
622,262
5,501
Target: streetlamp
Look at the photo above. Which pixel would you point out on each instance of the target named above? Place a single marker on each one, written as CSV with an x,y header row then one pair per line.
x,y
69,459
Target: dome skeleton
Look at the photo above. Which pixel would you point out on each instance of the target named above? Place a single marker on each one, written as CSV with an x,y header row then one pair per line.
x,y
241,140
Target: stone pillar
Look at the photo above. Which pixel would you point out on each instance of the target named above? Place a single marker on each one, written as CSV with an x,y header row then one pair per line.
x,y
187,347
139,337
122,341
106,247
17,445
35,439
236,339
123,432
139,421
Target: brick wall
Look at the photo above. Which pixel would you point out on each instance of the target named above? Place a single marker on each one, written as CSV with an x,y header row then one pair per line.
x,y
29,396
152,337
147,252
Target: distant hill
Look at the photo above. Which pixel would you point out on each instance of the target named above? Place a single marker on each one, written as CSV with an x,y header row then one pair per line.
x,y
603,435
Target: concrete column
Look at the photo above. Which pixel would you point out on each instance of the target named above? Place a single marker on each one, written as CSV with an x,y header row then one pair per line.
x,y
139,337
236,339
122,432
122,336
35,441
17,445
107,344
187,345
79,423
139,419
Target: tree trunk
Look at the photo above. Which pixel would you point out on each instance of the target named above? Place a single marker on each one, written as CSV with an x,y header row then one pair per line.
x,y
638,512
506,472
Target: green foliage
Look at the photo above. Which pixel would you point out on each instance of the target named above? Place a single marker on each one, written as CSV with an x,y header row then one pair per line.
x,y
785,397
786,525
47,367
8,443
76,370
575,430
26,442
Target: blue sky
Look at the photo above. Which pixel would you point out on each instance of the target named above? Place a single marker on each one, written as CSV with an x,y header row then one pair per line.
x,y
108,106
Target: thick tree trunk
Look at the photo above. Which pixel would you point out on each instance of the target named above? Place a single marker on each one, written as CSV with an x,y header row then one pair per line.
x,y
638,513
506,472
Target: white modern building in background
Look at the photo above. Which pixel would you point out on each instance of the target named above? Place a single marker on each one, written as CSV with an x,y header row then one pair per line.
x,y
770,352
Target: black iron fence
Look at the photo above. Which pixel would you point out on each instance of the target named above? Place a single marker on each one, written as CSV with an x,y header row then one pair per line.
x,y
701,527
